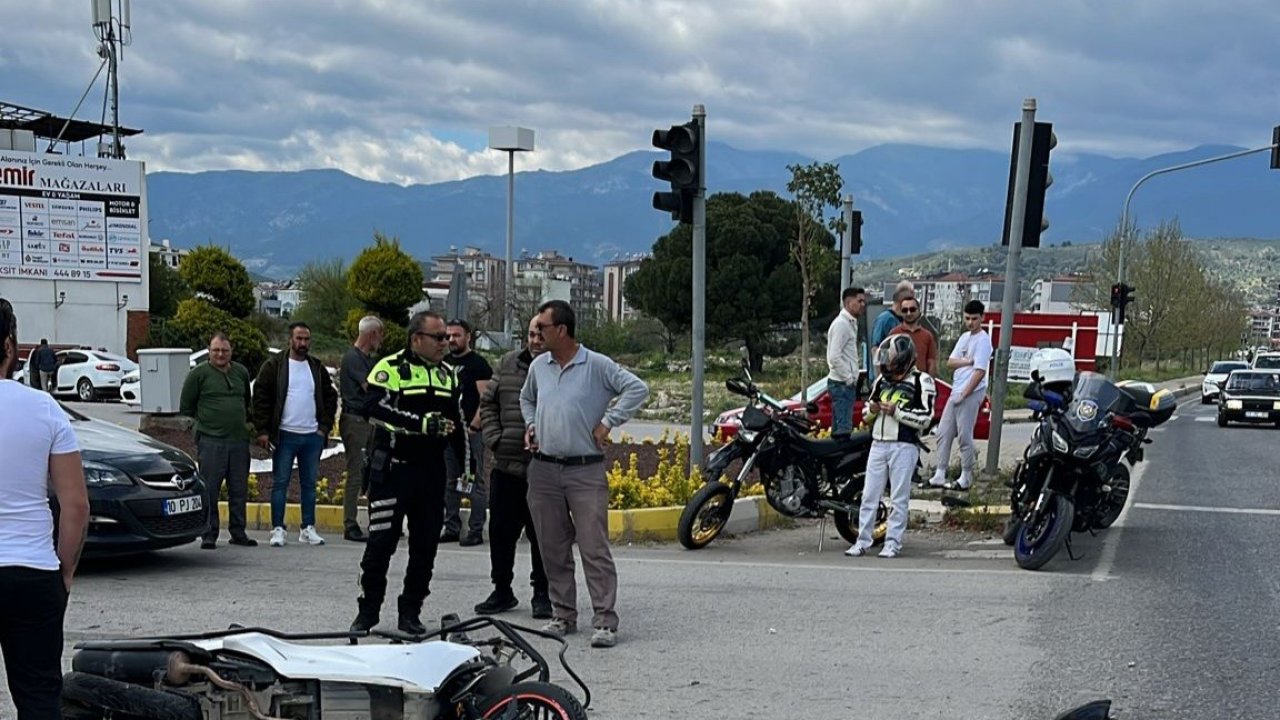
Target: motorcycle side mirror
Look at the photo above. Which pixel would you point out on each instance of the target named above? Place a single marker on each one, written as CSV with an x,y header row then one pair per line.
x,y
1096,710
737,387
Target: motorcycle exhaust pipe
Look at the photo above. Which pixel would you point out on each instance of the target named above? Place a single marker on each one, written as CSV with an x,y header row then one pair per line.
x,y
180,670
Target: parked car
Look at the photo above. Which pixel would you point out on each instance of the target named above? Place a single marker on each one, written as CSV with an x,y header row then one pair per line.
x,y
726,425
1217,375
1266,361
143,495
131,383
90,374
1251,396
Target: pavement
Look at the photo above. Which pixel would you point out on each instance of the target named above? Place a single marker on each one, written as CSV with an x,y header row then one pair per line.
x,y
1173,613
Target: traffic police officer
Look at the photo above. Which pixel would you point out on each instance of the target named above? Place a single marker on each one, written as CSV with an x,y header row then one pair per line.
x,y
414,404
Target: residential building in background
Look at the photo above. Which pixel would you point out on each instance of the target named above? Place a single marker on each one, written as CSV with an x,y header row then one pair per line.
x,y
555,274
279,299
1264,328
168,254
485,276
1054,295
616,273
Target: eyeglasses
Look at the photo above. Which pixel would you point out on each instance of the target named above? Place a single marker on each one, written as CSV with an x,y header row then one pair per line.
x,y
910,310
438,337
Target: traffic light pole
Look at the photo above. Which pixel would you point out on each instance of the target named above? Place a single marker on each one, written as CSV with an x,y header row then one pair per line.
x,y
1125,234
1000,383
699,291
846,242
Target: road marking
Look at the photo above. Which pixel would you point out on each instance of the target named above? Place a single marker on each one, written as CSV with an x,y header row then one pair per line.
x,y
1206,418
977,554
853,565
1107,558
1208,509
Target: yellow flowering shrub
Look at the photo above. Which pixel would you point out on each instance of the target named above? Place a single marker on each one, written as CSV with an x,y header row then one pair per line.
x,y
669,485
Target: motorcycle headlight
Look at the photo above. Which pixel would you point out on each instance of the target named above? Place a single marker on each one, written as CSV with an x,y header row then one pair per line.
x,y
1059,443
747,435
99,475
1235,405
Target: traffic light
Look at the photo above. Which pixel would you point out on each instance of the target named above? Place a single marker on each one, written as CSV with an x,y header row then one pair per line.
x,y
1275,148
1042,142
1121,296
681,170
855,233
1117,295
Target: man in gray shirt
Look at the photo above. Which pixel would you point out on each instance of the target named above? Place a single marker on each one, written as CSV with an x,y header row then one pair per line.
x,y
354,428
571,400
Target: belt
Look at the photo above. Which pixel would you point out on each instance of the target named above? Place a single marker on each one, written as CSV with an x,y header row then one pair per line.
x,y
570,460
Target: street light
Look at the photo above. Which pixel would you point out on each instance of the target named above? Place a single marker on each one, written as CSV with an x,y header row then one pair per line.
x,y
510,140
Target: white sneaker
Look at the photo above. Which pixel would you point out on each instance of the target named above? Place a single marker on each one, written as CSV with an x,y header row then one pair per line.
x,y
277,537
855,550
309,536
889,552
939,478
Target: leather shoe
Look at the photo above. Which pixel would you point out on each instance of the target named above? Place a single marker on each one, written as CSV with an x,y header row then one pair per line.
x,y
355,535
364,622
244,541
448,536
208,544
411,625
497,602
472,539
541,605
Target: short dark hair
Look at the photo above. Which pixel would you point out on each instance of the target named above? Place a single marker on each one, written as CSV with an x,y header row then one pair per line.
x,y
561,314
220,335
974,307
420,318
851,292
298,324
44,341
466,326
8,327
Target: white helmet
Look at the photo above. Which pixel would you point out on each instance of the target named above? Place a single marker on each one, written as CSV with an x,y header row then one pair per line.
x,y
1054,368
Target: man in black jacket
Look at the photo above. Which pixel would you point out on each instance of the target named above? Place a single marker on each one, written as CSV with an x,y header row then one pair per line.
x,y
294,403
502,424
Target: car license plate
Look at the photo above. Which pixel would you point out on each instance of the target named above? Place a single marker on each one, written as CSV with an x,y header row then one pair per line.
x,y
182,505
1255,414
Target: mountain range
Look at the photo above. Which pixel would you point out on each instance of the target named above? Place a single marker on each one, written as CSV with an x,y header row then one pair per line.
x,y
914,199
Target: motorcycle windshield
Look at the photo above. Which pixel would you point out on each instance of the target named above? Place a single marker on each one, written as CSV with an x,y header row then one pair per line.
x,y
1093,400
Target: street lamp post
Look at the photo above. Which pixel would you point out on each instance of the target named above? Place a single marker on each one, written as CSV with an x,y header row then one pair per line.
x,y
1124,232
510,140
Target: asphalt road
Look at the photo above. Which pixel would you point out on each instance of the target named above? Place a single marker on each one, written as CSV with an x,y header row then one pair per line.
x,y
1173,613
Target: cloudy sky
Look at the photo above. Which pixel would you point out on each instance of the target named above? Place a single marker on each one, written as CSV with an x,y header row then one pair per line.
x,y
404,90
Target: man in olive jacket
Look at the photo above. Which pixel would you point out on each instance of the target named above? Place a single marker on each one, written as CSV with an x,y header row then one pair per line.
x,y
294,403
503,427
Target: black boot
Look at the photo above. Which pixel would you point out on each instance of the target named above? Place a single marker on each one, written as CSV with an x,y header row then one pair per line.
x,y
366,619
409,612
541,606
499,601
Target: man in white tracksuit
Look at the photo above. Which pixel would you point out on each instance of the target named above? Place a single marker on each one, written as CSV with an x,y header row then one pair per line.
x,y
970,358
899,410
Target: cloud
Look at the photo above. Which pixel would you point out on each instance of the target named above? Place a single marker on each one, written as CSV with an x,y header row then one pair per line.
x,y
403,91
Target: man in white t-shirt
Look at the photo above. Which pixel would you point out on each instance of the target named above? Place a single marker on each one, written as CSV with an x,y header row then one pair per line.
x,y
970,358
40,454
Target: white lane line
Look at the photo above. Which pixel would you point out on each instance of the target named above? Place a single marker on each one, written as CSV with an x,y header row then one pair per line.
x,y
1107,558
1206,418
1207,509
861,565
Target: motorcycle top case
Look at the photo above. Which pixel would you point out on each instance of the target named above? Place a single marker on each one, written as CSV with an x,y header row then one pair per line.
x,y
1160,404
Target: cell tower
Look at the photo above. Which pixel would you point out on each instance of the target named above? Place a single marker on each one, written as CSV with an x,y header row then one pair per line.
x,y
111,25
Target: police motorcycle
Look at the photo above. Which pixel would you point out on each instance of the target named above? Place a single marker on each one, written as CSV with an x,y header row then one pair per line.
x,y
472,669
1073,476
803,477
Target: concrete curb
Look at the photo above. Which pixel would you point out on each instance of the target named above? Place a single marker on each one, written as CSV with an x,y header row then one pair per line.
x,y
750,514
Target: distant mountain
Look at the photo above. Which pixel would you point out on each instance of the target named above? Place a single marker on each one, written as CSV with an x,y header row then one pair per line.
x,y
913,199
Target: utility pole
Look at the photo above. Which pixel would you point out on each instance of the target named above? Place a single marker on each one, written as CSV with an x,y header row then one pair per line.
x,y
1000,383
699,289
846,242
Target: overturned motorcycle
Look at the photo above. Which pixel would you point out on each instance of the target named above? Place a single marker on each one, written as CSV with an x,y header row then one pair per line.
x,y
260,674
803,477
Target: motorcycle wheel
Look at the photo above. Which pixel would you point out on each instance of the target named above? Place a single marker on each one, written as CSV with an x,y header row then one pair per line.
x,y
705,515
1119,482
1011,527
1039,540
534,701
87,696
847,523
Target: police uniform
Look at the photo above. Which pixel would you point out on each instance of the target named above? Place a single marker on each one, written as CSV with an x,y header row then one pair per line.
x,y
407,402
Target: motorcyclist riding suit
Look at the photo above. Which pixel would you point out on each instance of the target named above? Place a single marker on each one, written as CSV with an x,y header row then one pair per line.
x,y
414,405
898,412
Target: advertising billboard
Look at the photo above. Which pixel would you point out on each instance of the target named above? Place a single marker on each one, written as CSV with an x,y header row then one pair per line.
x,y
71,218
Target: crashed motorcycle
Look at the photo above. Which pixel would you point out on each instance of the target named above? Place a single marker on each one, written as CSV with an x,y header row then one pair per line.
x,y
1074,475
478,668
803,477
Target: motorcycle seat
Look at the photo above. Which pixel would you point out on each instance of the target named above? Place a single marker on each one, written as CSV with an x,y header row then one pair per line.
x,y
835,446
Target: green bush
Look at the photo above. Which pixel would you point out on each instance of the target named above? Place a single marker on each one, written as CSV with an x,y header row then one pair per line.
x,y
197,320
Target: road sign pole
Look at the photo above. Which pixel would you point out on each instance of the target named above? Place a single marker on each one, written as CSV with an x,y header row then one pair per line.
x,y
699,291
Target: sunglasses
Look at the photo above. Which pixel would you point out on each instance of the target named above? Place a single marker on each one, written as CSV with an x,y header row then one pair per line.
x,y
438,337
910,310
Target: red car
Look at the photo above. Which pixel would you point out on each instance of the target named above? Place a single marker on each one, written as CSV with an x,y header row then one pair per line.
x,y
726,425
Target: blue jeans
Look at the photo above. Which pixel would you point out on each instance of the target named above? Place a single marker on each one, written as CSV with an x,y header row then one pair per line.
x,y
842,400
306,448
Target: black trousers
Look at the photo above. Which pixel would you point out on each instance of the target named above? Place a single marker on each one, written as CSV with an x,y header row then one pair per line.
x,y
32,604
413,490
508,517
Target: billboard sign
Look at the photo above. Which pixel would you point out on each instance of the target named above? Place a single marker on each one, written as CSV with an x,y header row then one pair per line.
x,y
71,218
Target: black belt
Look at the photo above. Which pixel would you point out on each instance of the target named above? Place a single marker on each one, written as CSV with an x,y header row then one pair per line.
x,y
570,460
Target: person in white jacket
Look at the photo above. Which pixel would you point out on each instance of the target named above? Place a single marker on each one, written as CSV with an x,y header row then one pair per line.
x,y
842,359
898,412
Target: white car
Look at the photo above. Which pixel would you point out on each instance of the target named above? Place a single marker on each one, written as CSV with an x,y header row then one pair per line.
x,y
1217,375
1266,361
131,384
90,374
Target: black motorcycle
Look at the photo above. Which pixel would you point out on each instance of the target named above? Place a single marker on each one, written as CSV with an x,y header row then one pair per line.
x,y
1073,476
803,477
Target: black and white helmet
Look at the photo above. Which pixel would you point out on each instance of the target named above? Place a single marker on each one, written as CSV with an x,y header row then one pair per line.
x,y
897,355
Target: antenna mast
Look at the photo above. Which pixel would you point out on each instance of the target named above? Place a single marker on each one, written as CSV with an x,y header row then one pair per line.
x,y
112,26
